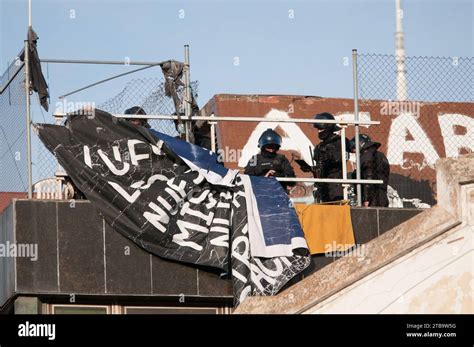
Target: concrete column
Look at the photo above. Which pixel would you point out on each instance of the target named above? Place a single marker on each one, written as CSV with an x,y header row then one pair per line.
x,y
27,305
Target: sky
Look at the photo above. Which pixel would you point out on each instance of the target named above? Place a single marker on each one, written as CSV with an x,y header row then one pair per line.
x,y
282,47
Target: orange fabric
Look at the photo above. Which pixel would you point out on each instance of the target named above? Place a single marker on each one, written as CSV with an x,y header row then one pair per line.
x,y
327,228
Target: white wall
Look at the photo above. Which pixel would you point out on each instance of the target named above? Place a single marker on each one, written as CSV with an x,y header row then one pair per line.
x,y
435,278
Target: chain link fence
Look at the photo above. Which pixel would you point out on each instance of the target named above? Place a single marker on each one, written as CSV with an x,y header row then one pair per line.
x,y
425,106
13,154
148,93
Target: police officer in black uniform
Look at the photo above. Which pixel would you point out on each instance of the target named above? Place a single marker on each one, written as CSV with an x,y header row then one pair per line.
x,y
328,160
137,110
268,162
374,165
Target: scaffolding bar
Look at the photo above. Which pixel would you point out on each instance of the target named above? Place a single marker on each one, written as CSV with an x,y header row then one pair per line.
x,y
102,62
243,119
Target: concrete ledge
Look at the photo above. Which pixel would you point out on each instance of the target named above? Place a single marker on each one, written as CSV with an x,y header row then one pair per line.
x,y
78,253
349,269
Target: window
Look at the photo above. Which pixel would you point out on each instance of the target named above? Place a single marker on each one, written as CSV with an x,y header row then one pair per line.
x,y
50,308
170,310
79,309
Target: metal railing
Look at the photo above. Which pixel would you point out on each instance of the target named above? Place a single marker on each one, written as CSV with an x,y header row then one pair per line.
x,y
342,123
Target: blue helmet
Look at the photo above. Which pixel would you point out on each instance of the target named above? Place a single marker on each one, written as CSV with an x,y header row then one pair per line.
x,y
269,137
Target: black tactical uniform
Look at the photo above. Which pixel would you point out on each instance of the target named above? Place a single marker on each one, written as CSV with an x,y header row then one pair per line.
x,y
374,165
328,160
262,163
327,156
137,110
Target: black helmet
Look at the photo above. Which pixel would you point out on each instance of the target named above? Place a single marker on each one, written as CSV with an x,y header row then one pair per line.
x,y
269,137
137,110
323,126
363,139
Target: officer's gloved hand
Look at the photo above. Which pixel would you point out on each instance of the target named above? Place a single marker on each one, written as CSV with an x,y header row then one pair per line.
x,y
270,173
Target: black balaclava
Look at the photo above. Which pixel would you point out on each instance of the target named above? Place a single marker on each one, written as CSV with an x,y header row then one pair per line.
x,y
267,154
325,134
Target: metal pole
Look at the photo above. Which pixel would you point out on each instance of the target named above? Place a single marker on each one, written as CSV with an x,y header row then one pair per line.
x,y
187,94
327,180
104,80
242,119
213,135
28,119
60,172
29,14
28,106
101,62
356,118
402,91
344,163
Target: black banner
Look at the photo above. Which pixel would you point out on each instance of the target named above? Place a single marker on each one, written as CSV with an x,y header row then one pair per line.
x,y
151,195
